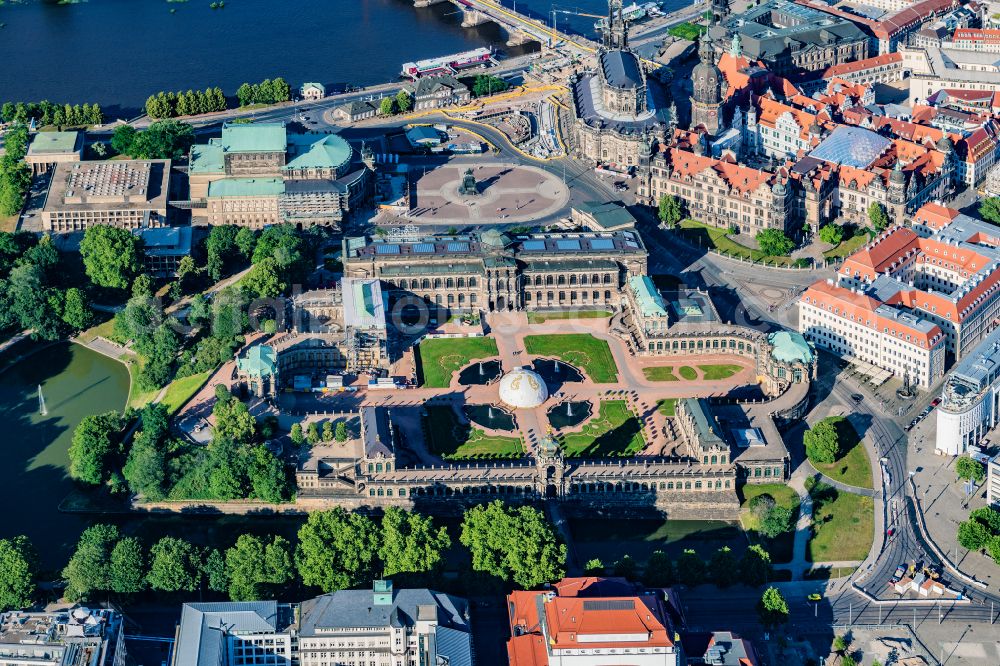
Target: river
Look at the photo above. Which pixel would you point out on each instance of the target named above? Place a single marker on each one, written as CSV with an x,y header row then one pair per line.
x,y
35,472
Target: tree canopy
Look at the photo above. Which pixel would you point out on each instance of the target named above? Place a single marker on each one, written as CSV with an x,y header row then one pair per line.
x,y
513,544
175,566
670,211
822,441
18,569
970,469
774,242
772,608
255,566
96,439
832,234
337,549
410,543
112,257
878,217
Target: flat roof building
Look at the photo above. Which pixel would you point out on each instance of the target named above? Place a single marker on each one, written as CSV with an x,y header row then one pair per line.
x,y
74,637
50,148
164,247
123,193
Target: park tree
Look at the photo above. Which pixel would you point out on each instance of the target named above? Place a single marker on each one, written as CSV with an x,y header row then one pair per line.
x,y
410,542
690,568
128,566
340,433
831,234
670,210
112,256
233,421
777,520
221,250
973,535
988,516
723,567
755,566
175,566
772,608
254,567
246,241
513,544
312,434
626,567
123,137
822,441
337,549
387,106
89,568
327,431
969,469
34,305
993,548
76,310
144,469
264,279
774,242
989,209
877,216
296,435
18,570
266,474
659,570
403,101
162,140
213,571
594,567
96,439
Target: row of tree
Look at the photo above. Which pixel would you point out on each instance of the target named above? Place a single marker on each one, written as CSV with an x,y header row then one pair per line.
x,y
401,103
162,140
313,436
191,103
48,113
15,175
268,91
723,568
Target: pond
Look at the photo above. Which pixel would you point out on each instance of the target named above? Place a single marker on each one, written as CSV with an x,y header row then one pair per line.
x,y
609,538
490,416
556,372
569,413
75,382
480,372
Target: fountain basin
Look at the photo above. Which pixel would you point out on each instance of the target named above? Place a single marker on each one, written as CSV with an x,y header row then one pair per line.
x,y
569,413
554,371
490,416
479,373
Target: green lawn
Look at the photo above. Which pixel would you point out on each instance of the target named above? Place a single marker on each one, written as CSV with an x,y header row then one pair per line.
x,y
452,440
582,350
136,397
663,373
615,431
542,317
847,246
686,30
667,406
716,238
781,547
687,372
852,468
181,390
843,524
102,330
719,370
440,358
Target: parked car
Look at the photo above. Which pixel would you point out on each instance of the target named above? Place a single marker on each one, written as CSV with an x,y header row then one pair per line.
x,y
889,532
857,397
900,570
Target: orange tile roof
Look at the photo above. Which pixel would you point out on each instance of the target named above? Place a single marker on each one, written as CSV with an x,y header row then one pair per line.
x,y
976,35
862,65
740,178
771,110
860,309
872,260
935,216
574,622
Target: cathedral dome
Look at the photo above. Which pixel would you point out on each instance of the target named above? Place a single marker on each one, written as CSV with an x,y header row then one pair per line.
x,y
706,79
522,388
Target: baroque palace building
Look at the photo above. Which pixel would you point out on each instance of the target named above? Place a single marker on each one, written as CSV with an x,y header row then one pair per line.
x,y
619,111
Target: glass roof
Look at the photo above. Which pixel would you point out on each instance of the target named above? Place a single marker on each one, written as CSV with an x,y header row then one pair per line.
x,y
851,146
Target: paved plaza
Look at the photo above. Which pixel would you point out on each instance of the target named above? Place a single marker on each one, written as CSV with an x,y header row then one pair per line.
x,y
507,194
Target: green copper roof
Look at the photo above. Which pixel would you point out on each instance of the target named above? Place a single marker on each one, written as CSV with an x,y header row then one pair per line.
x,y
647,296
53,142
260,361
317,151
254,138
790,347
608,215
246,187
207,158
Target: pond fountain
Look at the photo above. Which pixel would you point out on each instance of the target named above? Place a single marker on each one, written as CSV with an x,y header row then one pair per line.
x,y
554,371
490,416
479,373
569,413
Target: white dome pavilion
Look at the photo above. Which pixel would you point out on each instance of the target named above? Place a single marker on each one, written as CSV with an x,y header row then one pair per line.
x,y
522,388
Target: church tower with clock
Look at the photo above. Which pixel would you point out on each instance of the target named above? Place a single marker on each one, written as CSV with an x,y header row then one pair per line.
x,y
706,96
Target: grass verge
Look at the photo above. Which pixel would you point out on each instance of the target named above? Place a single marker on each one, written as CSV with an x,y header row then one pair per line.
x,y
614,432
781,547
687,372
662,373
847,247
853,467
717,239
843,524
581,350
542,317
440,358
181,390
686,30
667,406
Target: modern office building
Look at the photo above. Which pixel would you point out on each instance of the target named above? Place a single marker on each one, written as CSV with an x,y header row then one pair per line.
x,y
970,399
73,637
123,193
587,621
380,627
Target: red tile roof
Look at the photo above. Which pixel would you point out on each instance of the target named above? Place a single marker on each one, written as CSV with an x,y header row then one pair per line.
x,y
862,65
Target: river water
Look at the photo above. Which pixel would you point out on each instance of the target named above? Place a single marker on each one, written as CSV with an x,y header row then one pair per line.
x,y
34,476
117,52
